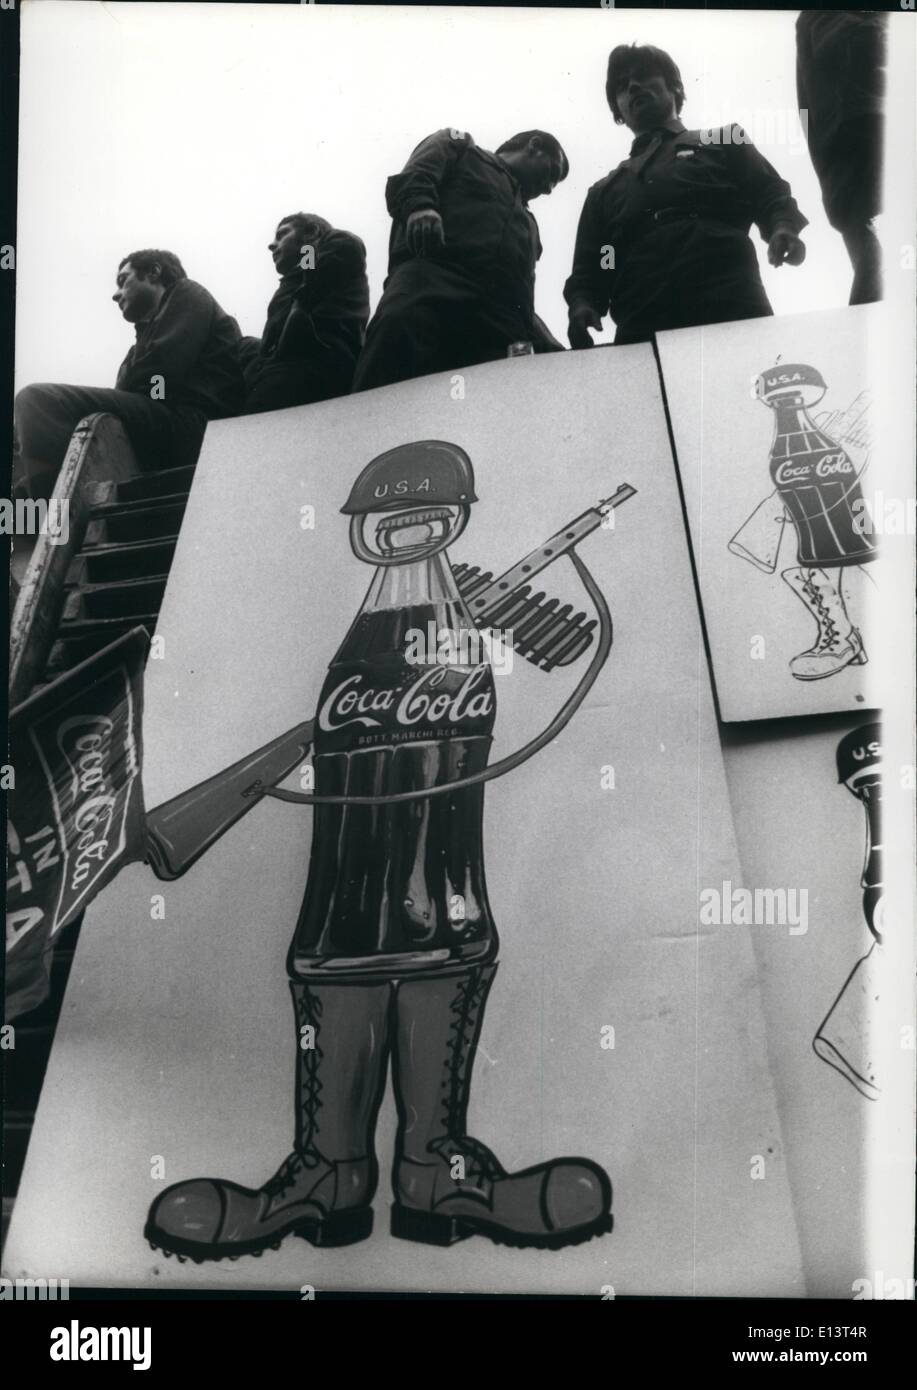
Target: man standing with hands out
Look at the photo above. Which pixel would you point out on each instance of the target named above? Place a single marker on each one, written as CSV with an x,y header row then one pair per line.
x,y
462,255
663,240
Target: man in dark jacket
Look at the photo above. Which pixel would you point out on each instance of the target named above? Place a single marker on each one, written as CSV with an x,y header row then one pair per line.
x,y
316,320
840,81
462,255
181,372
663,239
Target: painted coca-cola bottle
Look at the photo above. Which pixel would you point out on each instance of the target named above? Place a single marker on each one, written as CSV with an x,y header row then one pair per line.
x,y
859,767
814,475
408,703
858,1033
819,487
394,952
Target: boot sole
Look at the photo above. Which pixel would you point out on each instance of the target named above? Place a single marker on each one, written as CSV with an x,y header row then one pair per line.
x,y
340,1228
860,659
430,1228
823,675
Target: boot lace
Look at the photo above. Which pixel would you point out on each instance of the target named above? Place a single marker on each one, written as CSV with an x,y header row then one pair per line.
x,y
464,1007
481,1166
289,1173
829,638
305,1155
308,1011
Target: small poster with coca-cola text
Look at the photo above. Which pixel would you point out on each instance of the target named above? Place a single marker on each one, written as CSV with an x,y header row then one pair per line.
x,y
784,445
822,814
76,811
414,991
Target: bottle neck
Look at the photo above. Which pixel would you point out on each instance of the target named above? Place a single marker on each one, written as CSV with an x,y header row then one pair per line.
x,y
419,582
791,416
420,595
871,796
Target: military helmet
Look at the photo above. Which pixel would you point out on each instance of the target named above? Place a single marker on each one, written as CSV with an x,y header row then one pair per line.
x,y
790,377
427,471
859,751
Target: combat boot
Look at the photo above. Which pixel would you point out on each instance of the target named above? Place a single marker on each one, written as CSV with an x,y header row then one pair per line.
x,y
448,1185
838,643
323,1189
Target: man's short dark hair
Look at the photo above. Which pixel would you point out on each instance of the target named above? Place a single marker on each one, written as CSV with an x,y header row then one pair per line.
x,y
629,58
306,223
550,143
171,268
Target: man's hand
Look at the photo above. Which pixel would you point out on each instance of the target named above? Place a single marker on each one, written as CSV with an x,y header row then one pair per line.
x,y
424,230
785,245
582,318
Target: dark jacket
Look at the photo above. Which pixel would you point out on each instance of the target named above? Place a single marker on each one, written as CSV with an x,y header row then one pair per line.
x,y
191,343
490,234
716,177
320,314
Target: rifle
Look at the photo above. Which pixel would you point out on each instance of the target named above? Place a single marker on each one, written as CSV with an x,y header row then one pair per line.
x,y
181,830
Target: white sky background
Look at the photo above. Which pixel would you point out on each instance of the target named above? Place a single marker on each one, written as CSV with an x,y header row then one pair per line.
x,y
195,127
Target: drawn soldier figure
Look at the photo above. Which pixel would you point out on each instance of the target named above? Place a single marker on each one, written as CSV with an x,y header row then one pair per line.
x,y
850,1036
817,488
395,948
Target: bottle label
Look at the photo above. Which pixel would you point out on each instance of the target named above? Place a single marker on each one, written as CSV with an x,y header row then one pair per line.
x,y
796,470
436,701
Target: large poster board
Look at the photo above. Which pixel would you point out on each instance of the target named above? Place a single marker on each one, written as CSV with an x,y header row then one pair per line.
x,y
616,1030
775,425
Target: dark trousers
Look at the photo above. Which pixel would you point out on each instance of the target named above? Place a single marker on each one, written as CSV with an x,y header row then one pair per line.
x,y
674,315
280,385
687,272
432,318
849,170
162,435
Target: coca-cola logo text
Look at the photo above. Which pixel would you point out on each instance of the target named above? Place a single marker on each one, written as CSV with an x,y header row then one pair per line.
x,y
791,471
88,758
93,820
420,703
